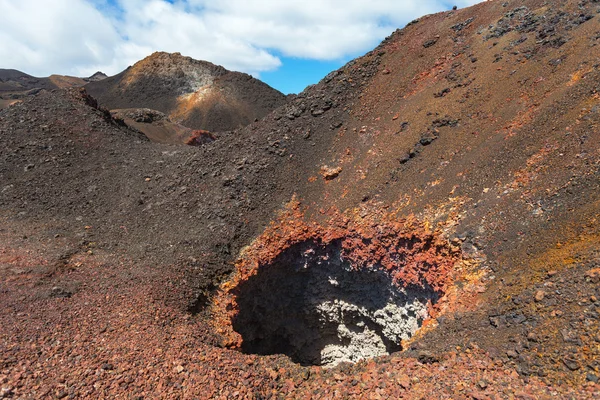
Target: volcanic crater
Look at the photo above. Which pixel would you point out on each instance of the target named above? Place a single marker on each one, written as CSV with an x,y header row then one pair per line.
x,y
323,296
312,304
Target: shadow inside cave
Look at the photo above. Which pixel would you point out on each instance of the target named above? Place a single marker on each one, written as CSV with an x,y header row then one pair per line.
x,y
314,306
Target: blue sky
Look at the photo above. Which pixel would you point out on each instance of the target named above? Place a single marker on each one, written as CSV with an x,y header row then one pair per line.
x,y
288,44
296,73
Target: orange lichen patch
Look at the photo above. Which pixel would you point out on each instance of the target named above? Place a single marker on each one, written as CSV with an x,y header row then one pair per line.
x,y
563,255
578,75
556,259
411,252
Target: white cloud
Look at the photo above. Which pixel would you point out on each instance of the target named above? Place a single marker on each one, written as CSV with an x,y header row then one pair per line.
x,y
73,37
42,37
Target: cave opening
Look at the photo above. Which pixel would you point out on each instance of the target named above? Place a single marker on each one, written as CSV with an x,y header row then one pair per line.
x,y
313,305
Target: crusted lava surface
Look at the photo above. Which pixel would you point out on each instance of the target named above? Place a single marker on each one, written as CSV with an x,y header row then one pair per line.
x,y
194,93
454,169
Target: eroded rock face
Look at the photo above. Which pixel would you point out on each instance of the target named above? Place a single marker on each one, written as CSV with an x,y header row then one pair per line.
x,y
312,304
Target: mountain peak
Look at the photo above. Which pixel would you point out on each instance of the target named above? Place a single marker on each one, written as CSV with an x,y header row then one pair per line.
x,y
194,93
98,76
185,74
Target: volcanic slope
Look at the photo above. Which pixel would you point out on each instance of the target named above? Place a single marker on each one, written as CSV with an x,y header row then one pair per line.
x,y
15,85
196,94
449,176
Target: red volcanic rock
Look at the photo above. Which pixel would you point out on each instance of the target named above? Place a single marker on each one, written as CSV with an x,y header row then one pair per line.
x,y
199,137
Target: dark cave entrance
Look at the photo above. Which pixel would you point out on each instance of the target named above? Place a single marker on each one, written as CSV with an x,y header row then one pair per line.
x,y
312,305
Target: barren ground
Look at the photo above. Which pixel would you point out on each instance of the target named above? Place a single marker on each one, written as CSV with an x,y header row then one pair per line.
x,y
460,158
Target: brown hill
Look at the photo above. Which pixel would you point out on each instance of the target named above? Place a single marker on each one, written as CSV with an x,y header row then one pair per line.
x,y
437,199
12,80
194,93
16,85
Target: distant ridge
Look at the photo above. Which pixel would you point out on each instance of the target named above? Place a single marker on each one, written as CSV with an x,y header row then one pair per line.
x,y
16,85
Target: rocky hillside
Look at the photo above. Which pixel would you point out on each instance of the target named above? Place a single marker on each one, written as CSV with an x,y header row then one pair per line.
x,y
12,80
423,223
16,85
194,93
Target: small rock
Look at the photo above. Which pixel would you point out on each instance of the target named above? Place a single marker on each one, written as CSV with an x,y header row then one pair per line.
x,y
593,275
442,93
532,337
429,43
427,138
512,354
495,321
107,367
57,291
404,381
469,250
306,374
482,384
335,125
591,378
427,357
330,173
479,396
179,369
570,336
404,158
539,295
518,318
6,393
572,364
